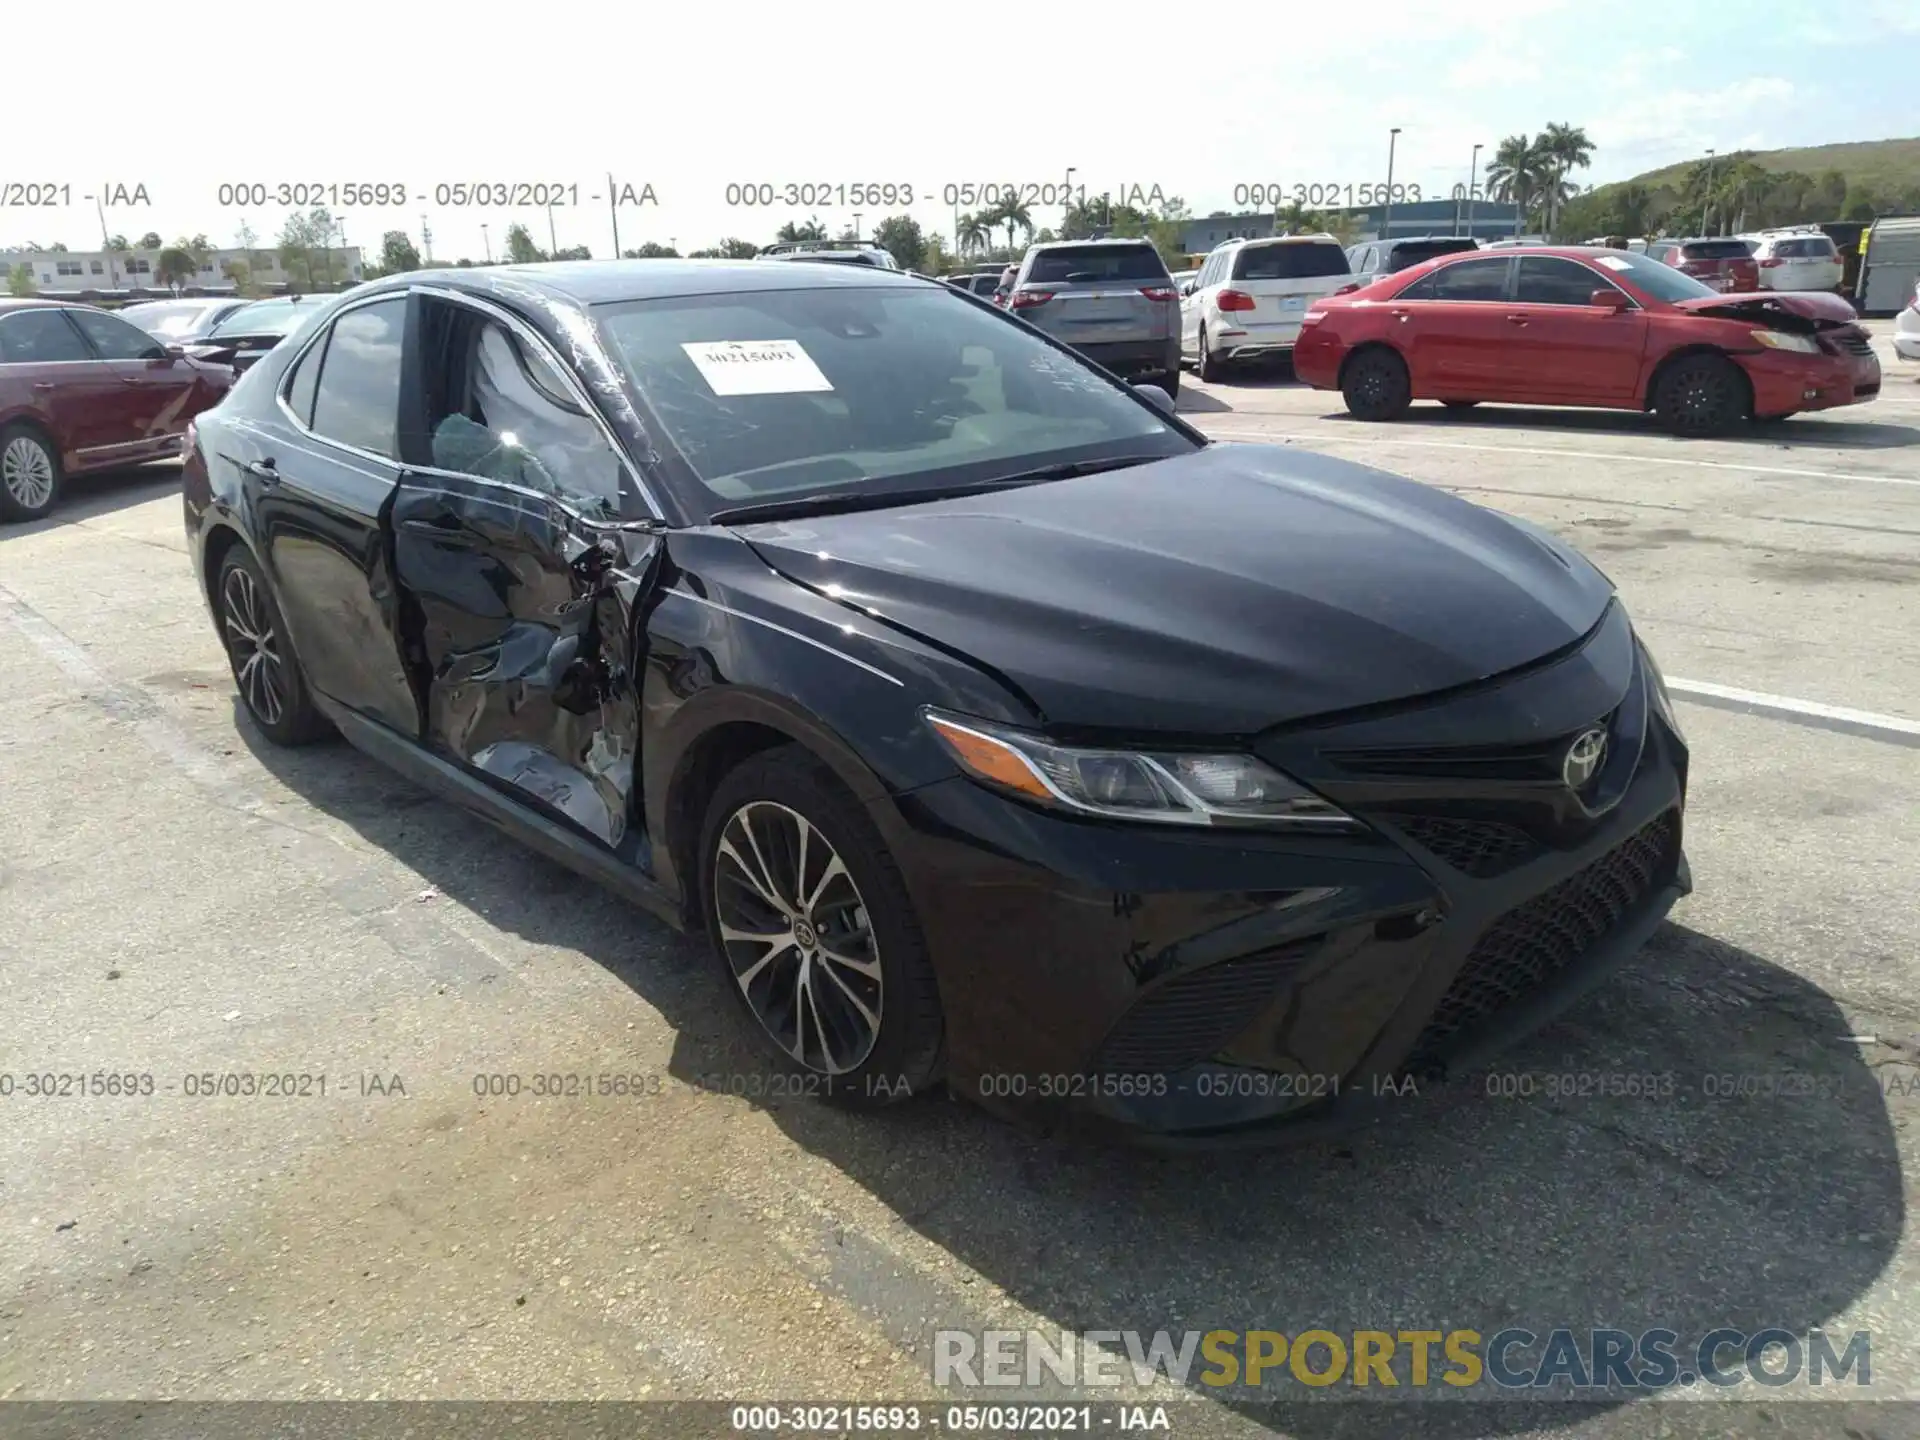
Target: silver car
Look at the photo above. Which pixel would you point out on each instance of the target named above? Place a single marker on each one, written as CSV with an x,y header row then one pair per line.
x,y
1112,300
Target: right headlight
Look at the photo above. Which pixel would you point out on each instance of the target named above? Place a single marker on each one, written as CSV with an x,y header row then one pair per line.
x,y
1781,340
1162,786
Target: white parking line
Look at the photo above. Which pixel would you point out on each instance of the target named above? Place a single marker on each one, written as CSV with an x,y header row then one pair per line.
x,y
1634,456
1894,729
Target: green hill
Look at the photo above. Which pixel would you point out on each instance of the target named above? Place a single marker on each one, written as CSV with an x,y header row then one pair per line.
x,y
1807,184
1867,164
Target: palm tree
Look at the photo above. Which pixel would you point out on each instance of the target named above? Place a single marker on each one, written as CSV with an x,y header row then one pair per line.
x,y
1516,175
1567,148
1292,220
1633,206
1012,213
975,232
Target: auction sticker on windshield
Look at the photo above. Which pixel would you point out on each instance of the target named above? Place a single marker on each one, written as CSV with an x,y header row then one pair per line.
x,y
756,367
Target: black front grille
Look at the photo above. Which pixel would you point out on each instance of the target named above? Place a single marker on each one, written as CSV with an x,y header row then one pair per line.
x,y
1530,945
1480,848
1192,1016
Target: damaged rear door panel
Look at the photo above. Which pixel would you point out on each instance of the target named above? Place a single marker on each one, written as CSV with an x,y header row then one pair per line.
x,y
519,621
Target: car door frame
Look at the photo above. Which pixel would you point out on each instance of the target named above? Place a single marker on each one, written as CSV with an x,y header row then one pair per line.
x,y
1538,366
1443,366
154,383
502,707
313,504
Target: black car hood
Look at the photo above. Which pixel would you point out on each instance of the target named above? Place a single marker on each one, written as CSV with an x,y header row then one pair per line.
x,y
1215,593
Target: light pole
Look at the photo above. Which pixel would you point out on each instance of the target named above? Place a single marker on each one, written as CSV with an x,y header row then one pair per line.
x,y
1066,206
613,208
1706,206
487,241
1473,183
553,242
1386,219
856,225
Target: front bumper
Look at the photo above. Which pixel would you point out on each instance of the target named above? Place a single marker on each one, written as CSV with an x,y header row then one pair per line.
x,y
1785,382
1211,988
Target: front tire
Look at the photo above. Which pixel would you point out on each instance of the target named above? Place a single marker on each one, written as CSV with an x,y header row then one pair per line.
x,y
815,934
1701,396
30,474
1376,386
265,669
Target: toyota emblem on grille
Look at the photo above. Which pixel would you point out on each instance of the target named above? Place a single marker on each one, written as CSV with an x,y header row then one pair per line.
x,y
1583,758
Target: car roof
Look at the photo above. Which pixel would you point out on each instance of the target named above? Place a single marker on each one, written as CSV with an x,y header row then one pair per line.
x,y
1089,244
35,303
1318,238
606,282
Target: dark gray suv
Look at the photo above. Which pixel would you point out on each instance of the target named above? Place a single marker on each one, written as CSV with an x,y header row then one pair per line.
x,y
1112,300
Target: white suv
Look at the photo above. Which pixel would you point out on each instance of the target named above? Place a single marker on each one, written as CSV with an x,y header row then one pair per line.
x,y
1797,260
1906,328
1248,298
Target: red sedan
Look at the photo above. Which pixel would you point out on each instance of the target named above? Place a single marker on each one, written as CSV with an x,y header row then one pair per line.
x,y
1564,325
81,390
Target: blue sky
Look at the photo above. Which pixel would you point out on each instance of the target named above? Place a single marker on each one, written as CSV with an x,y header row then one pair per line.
x,y
690,97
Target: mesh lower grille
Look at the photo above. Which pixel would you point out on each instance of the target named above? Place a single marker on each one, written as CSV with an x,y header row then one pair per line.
x,y
1528,946
1479,848
1195,1015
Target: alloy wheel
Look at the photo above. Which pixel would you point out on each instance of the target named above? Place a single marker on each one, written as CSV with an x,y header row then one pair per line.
x,y
27,472
797,937
254,648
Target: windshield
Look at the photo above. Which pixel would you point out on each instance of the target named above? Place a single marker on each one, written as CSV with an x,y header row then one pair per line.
x,y
167,319
855,391
1662,282
269,317
1718,250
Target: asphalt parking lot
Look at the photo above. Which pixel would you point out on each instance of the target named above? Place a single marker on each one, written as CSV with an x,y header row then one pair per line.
x,y
179,898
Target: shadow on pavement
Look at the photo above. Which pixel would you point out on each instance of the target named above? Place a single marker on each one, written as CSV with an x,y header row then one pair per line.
x,y
1682,1207
1842,432
87,497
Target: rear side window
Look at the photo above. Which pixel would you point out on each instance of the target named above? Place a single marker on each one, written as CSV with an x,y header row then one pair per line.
x,y
38,337
358,399
1717,250
1467,280
1097,262
1290,262
304,381
1413,252
114,338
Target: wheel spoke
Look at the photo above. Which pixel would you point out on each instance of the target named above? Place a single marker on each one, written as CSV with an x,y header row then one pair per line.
x,y
775,944
868,968
834,869
866,1014
756,881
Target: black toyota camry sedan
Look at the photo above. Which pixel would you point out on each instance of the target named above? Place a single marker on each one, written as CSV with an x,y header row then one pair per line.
x,y
992,725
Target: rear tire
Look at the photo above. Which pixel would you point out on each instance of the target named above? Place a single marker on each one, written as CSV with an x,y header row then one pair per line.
x,y
30,474
1701,396
1376,386
1206,367
877,1034
267,672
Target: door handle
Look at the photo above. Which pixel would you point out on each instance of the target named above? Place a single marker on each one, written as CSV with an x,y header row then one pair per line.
x,y
43,385
265,470
1401,315
1516,319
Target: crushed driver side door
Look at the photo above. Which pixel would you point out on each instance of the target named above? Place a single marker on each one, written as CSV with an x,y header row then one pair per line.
x,y
520,619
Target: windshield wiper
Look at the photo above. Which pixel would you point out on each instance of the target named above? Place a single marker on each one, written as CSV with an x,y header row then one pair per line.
x,y
802,506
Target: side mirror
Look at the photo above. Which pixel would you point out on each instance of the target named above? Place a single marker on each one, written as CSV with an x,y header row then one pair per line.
x,y
1608,299
1159,398
1187,289
175,352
